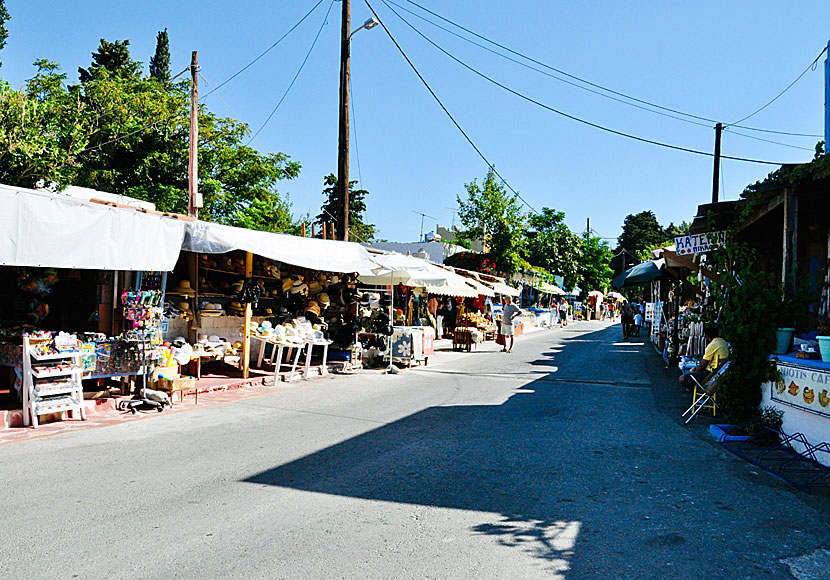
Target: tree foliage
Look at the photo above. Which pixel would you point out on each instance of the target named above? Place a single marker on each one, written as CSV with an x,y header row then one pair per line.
x,y
4,17
594,269
113,57
489,213
552,246
359,230
160,61
119,132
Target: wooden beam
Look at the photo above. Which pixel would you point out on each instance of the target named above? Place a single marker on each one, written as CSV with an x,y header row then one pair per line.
x,y
772,204
790,245
246,344
687,263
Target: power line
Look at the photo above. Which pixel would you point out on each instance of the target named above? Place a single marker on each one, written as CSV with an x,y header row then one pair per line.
x,y
789,86
567,115
573,84
438,100
562,72
266,51
302,65
354,126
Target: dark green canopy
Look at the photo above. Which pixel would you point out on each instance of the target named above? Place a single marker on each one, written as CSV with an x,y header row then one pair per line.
x,y
639,274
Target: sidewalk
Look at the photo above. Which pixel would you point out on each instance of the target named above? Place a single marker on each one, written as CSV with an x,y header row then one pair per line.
x,y
104,412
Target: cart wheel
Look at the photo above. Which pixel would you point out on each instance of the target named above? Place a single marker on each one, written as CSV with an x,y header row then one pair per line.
x,y
133,410
160,408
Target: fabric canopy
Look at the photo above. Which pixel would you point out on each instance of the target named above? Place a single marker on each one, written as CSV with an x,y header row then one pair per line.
x,y
401,269
639,274
504,289
312,253
45,229
546,288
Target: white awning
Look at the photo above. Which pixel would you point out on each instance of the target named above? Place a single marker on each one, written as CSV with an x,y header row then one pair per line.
x,y
546,288
397,268
312,253
39,228
504,289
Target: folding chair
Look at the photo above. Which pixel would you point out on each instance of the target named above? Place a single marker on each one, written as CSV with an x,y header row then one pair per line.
x,y
707,391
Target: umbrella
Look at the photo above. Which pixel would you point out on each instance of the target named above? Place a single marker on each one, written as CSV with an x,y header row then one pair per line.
x,y
595,293
639,274
617,296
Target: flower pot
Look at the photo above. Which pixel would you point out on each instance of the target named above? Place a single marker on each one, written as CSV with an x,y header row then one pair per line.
x,y
785,339
824,347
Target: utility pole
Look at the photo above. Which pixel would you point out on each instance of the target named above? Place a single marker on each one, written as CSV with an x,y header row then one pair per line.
x,y
716,179
194,198
827,99
588,227
343,141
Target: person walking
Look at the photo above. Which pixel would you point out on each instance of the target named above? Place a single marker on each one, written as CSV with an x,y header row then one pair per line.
x,y
563,311
509,312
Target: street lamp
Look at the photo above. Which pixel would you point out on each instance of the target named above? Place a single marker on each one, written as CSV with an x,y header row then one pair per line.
x,y
343,138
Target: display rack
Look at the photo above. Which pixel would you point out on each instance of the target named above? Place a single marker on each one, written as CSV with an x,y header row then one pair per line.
x,y
51,380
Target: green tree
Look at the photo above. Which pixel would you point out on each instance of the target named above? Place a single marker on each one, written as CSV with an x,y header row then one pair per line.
x,y
594,271
359,230
552,246
489,213
160,61
129,135
113,57
640,231
42,129
4,17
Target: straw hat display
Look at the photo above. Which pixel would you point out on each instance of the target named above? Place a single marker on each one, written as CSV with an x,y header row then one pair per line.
x,y
324,300
314,287
313,307
236,308
183,288
287,284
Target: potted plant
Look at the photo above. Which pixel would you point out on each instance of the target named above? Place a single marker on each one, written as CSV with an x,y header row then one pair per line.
x,y
785,325
824,338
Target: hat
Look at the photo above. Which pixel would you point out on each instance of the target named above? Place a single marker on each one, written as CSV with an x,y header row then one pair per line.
x,y
184,289
314,307
214,338
287,283
183,305
179,341
299,288
324,300
314,287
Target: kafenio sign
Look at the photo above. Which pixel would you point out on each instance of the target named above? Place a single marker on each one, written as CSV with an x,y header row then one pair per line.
x,y
803,387
699,243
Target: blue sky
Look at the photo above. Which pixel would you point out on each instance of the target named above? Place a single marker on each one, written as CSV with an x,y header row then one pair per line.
x,y
718,60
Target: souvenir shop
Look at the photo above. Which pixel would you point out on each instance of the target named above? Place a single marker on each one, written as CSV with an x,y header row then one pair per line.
x,y
76,305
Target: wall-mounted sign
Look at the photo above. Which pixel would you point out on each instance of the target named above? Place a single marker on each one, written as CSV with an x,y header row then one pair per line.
x,y
803,387
699,243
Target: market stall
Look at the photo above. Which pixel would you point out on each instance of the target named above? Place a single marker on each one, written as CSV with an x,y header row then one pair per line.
x,y
64,262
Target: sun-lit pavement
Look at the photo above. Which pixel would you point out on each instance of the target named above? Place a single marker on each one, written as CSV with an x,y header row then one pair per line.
x,y
562,459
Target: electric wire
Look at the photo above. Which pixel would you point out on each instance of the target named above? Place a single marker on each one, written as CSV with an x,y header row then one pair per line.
x,y
567,115
266,51
573,84
354,125
136,131
562,72
302,65
441,104
789,86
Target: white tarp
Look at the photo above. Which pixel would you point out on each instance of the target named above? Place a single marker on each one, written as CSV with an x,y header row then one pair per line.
x,y
312,253
51,230
407,270
504,289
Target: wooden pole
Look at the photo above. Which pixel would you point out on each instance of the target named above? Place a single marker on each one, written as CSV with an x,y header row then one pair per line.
x,y
716,175
246,344
343,140
332,232
194,198
323,228
312,232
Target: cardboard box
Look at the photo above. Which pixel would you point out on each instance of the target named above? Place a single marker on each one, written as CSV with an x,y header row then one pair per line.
x,y
180,384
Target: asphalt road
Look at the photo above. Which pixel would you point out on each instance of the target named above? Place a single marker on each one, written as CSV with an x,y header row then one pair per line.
x,y
563,459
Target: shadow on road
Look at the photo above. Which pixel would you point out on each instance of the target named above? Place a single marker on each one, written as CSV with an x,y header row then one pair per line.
x,y
547,464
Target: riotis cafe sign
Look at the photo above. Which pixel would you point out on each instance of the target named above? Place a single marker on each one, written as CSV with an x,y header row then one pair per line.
x,y
699,243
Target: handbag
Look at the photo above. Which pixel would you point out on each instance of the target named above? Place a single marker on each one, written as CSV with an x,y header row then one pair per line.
x,y
500,339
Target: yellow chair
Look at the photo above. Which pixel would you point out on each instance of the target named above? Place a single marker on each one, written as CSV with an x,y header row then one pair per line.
x,y
705,394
